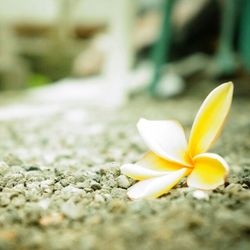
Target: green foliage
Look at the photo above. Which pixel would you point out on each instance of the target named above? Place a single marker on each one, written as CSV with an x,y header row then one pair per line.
x,y
245,34
36,80
161,49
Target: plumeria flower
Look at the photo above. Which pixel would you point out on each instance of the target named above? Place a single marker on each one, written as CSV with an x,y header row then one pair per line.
x,y
171,157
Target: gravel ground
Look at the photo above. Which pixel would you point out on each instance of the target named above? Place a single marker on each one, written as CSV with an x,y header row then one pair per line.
x,y
61,188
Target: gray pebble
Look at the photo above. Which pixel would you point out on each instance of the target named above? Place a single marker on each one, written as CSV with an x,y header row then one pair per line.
x,y
4,200
123,181
18,201
72,211
99,198
95,185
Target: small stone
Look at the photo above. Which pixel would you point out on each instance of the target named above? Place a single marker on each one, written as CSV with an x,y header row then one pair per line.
x,y
19,187
64,182
46,183
95,185
80,185
71,189
200,195
4,200
32,168
51,219
118,206
44,203
18,201
33,185
57,186
72,211
32,194
120,193
246,182
99,198
234,188
17,170
32,213
67,181
123,181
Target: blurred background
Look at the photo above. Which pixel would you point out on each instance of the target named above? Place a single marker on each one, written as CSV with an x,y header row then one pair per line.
x,y
160,47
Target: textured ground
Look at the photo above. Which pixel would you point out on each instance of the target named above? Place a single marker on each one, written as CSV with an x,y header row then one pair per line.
x,y
60,185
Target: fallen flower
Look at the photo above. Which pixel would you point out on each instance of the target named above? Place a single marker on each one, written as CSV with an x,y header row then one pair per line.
x,y
171,158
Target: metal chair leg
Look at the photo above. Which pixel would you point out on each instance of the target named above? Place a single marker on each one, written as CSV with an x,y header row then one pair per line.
x,y
161,49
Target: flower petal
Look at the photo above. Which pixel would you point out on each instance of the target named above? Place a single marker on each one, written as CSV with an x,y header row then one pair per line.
x,y
155,187
210,119
149,166
209,171
166,139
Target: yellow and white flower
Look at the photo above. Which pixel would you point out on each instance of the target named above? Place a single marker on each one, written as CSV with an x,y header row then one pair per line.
x,y
171,157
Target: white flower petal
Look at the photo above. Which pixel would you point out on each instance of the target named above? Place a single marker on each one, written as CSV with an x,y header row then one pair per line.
x,y
138,172
157,186
166,139
149,166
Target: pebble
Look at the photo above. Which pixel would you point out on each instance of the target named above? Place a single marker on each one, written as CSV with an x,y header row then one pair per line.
x,y
46,183
123,181
44,203
33,185
72,210
18,201
200,195
118,206
57,186
4,200
19,187
246,182
95,185
32,194
107,197
234,187
99,198
64,182
71,189
51,219
119,193
80,185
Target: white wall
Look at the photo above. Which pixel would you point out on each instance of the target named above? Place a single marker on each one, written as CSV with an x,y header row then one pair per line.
x,y
45,11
